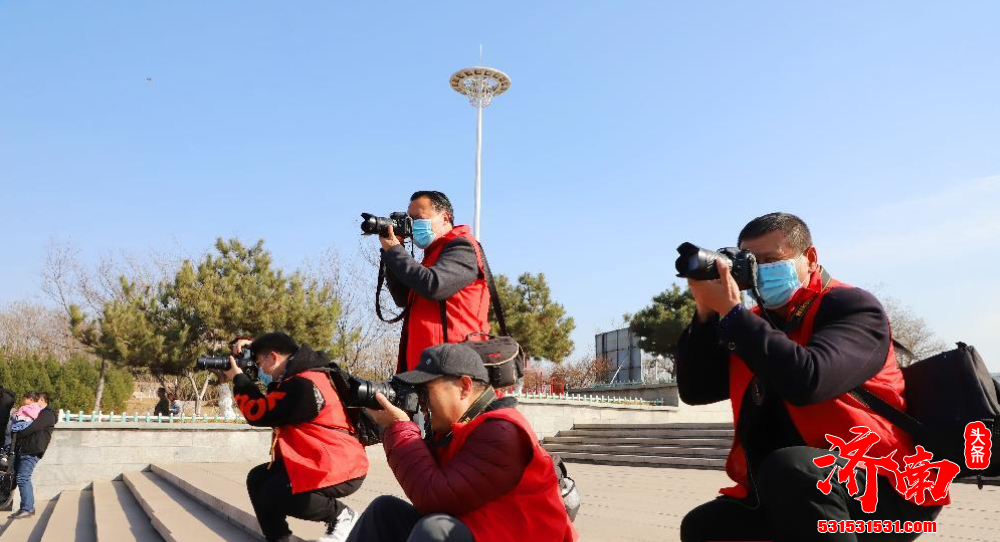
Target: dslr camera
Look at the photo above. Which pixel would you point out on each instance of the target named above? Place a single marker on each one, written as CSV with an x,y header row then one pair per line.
x,y
362,394
244,361
697,263
402,224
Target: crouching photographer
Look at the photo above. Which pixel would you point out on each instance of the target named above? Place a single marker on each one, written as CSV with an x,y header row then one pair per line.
x,y
315,458
796,368
480,475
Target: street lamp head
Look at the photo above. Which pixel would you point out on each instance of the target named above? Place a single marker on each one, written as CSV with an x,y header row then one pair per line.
x,y
480,84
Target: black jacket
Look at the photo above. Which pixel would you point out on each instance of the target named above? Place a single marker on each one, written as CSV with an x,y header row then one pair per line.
x,y
34,439
301,401
6,404
455,268
849,345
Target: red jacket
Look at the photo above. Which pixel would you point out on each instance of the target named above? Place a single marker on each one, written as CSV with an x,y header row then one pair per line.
x,y
310,430
492,475
533,510
467,311
315,455
835,416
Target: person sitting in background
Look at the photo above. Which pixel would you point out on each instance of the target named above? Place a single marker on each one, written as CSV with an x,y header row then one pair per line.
x,y
163,406
176,405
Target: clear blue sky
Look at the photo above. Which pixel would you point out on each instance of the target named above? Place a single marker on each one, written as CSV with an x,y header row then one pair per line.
x,y
630,127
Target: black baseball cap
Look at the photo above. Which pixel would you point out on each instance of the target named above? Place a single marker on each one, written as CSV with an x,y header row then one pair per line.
x,y
448,359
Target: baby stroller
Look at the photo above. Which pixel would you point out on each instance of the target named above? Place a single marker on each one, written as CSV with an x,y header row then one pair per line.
x,y
7,471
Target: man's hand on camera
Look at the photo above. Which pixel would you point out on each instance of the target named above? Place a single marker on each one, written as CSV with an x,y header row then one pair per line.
x,y
715,296
239,344
233,370
390,240
389,413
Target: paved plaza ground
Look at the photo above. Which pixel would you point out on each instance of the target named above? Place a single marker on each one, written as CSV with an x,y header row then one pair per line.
x,y
647,504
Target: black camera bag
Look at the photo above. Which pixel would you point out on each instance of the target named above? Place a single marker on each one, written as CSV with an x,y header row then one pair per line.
x,y
944,393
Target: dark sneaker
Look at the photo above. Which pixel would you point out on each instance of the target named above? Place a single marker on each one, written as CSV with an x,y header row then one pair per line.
x,y
21,514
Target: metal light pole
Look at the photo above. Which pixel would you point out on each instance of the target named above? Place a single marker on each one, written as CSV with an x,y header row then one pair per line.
x,y
480,84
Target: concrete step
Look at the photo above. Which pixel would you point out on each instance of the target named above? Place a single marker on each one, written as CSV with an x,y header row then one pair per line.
x,y
73,518
30,529
670,451
644,460
617,426
228,498
178,517
118,516
649,433
642,441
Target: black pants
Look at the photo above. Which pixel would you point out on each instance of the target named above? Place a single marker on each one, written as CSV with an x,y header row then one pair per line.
x,y
391,519
271,495
791,505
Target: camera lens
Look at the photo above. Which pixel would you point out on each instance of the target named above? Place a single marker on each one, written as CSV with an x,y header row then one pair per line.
x,y
212,363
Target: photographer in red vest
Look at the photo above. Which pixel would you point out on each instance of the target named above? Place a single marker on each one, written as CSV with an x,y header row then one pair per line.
x,y
479,476
445,295
788,368
315,458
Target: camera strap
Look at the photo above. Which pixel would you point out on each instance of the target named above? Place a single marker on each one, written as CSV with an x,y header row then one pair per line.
x,y
482,402
494,295
378,297
797,315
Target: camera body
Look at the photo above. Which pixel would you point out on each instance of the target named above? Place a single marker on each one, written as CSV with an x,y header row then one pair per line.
x,y
362,394
244,361
697,263
402,224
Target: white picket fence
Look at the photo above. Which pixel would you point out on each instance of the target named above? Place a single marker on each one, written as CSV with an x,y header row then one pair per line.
x,y
600,399
124,417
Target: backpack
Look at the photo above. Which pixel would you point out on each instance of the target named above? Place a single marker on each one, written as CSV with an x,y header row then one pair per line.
x,y
944,394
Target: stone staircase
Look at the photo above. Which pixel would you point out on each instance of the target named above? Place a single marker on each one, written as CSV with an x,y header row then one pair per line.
x,y
170,502
677,445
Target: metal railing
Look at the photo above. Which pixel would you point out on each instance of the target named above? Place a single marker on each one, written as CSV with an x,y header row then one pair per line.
x,y
124,417
135,417
599,399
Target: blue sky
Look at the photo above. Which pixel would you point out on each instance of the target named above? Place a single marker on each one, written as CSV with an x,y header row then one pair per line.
x,y
630,127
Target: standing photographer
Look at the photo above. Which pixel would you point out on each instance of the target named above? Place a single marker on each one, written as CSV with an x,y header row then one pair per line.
x,y
788,368
445,295
480,475
315,459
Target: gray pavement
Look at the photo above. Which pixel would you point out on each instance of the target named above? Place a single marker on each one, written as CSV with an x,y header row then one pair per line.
x,y
647,503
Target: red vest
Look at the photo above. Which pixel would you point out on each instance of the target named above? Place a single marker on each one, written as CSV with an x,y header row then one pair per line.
x,y
835,416
316,456
467,311
533,510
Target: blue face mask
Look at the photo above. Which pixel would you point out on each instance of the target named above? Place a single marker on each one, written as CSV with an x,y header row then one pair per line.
x,y
263,377
777,282
423,233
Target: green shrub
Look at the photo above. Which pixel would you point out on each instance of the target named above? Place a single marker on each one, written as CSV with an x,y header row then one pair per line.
x,y
71,386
